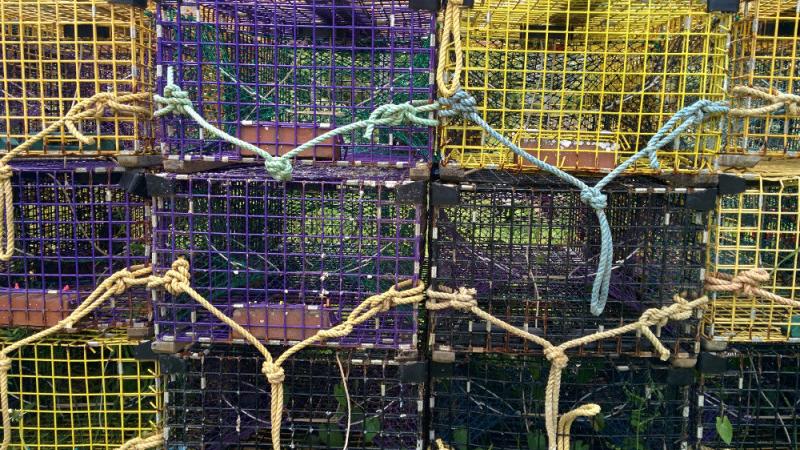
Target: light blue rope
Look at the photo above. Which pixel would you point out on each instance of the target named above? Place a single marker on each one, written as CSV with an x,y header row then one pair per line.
x,y
176,101
463,104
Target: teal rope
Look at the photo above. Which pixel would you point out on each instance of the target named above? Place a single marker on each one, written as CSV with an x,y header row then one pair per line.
x,y
176,101
463,104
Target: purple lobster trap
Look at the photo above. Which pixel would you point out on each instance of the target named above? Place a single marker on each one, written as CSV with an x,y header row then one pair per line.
x,y
220,399
287,259
75,226
530,248
749,397
278,73
497,401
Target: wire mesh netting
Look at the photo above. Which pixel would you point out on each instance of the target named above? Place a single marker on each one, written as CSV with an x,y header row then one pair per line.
x,y
222,400
584,85
59,52
80,392
497,401
764,49
759,228
757,394
277,73
287,259
530,248
75,226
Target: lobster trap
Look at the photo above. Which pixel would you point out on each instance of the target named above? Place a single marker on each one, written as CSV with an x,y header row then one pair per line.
x,y
221,399
80,391
57,53
278,73
75,226
757,228
764,45
288,259
497,401
754,390
585,85
529,246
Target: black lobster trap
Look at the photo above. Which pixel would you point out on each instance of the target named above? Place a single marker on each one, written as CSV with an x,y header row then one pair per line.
x,y
530,247
497,401
749,398
218,397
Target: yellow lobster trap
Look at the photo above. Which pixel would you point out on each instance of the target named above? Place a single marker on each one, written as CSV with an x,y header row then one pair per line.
x,y
59,52
584,84
80,392
765,47
758,228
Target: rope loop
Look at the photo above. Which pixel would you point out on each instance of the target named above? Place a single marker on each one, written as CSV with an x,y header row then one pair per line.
x,y
461,103
176,279
777,100
557,357
391,114
273,372
594,197
462,299
451,22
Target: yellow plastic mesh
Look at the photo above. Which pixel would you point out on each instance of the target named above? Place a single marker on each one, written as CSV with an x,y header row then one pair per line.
x,y
758,228
584,84
58,52
81,392
765,48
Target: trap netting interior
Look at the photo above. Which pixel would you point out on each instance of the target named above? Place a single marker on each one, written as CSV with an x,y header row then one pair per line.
x,y
764,48
497,401
75,226
757,228
529,246
277,73
80,392
221,399
59,52
756,396
586,84
287,259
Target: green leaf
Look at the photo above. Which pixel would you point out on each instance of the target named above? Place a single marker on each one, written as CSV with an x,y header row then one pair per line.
x,y
725,429
341,397
461,437
372,427
330,435
598,422
536,440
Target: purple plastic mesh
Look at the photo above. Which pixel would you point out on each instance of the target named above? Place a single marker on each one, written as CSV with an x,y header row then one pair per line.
x,y
289,259
74,227
530,246
758,391
293,68
222,401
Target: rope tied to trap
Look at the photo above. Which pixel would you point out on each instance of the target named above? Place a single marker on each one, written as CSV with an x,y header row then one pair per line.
x,y
143,443
747,283
175,100
558,429
776,101
450,17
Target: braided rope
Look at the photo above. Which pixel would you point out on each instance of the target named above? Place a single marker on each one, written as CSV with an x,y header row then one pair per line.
x,y
463,299
176,101
176,281
93,107
451,21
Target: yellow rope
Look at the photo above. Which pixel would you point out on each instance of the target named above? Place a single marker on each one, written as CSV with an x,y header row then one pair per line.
x,y
145,443
558,431
746,283
93,107
789,102
451,22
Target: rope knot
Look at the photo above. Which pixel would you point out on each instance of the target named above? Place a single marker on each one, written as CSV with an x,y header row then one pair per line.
x,y
6,172
557,357
747,281
273,372
462,299
5,363
279,167
594,197
461,103
176,280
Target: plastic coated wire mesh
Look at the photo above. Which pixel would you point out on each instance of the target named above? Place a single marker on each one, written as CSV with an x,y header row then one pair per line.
x,y
74,227
583,85
497,401
279,72
758,394
530,248
80,392
289,259
222,400
59,52
764,53
757,228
